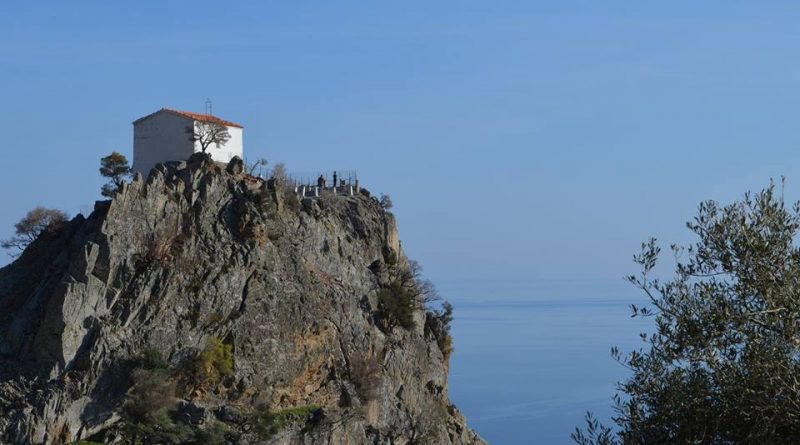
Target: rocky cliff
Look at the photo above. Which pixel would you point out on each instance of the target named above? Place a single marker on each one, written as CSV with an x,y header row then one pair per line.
x,y
268,318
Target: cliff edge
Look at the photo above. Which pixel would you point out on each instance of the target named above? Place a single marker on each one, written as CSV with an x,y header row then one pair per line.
x,y
257,317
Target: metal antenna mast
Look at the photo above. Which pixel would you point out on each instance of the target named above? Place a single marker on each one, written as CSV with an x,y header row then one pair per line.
x,y
208,106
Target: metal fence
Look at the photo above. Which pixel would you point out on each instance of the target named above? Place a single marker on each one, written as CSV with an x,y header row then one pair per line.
x,y
312,179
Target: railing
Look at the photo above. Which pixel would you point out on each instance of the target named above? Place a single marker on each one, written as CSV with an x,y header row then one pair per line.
x,y
323,179
313,191
312,185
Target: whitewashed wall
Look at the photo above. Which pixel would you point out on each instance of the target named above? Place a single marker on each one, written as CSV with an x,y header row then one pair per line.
x,y
224,153
162,137
159,138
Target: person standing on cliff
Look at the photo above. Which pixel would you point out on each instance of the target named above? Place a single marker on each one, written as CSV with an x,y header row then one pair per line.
x,y
334,179
321,181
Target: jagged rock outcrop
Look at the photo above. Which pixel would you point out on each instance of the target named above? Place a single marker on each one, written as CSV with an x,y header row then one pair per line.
x,y
196,252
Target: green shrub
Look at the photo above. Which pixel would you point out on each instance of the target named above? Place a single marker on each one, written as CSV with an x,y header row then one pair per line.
x,y
446,346
152,359
213,435
162,430
396,306
438,323
214,363
268,423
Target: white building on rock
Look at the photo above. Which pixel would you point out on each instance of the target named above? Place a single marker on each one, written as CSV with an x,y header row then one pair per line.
x,y
163,136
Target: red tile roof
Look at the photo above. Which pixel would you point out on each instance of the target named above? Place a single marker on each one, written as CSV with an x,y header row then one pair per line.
x,y
194,116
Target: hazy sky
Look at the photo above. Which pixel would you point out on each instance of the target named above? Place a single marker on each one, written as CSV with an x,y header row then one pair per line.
x,y
519,139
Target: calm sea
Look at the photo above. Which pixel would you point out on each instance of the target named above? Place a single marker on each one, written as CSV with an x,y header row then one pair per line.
x,y
533,356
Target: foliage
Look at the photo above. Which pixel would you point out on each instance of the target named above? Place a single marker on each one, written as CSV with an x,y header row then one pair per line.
x,y
115,167
161,430
722,364
152,359
396,306
213,435
146,407
438,321
146,412
214,362
36,222
268,423
407,291
446,346
386,202
594,434
151,395
207,133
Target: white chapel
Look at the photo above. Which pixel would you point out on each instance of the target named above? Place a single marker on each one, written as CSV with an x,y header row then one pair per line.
x,y
162,136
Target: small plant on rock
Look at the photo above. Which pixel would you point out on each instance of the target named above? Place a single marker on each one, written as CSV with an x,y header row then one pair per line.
x,y
152,359
214,362
438,322
269,423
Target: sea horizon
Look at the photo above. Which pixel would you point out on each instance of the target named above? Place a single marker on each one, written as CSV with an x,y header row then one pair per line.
x,y
533,356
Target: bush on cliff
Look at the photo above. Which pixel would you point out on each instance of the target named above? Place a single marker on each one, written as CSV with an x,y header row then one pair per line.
x,y
146,409
396,306
437,322
268,423
213,363
152,359
722,363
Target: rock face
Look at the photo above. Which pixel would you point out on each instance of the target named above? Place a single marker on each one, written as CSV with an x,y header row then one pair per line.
x,y
196,252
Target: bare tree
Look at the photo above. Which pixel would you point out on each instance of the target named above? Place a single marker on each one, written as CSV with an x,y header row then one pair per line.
x,y
279,172
365,372
207,133
423,288
35,222
258,164
115,167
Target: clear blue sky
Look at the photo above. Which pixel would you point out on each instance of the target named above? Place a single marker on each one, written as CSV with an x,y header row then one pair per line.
x,y
519,139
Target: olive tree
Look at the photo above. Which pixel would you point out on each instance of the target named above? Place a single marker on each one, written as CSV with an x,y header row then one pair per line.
x,y
36,222
722,365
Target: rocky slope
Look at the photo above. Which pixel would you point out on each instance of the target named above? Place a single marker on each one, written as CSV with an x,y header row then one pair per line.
x,y
196,254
